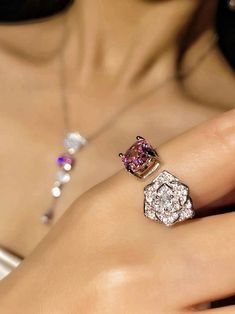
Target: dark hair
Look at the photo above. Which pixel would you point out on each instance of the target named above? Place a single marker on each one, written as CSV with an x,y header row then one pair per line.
x,y
226,30
24,10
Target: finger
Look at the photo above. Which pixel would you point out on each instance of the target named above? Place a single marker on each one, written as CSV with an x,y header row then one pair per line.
x,y
202,158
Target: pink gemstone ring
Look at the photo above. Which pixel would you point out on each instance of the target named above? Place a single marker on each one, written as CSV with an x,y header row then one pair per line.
x,y
141,159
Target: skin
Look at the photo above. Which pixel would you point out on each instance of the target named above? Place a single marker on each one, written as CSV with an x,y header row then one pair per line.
x,y
97,68
118,261
123,262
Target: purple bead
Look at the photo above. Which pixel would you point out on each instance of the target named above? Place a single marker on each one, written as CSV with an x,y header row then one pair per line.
x,y
65,159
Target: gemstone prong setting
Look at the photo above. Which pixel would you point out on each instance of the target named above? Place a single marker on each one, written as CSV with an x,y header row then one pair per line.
x,y
141,159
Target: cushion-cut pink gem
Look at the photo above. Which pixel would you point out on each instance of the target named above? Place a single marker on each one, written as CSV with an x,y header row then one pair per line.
x,y
138,156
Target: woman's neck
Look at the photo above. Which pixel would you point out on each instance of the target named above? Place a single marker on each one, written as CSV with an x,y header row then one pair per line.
x,y
131,40
126,43
139,43
136,39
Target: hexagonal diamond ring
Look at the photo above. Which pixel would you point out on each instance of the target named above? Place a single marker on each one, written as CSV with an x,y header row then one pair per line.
x,y
167,200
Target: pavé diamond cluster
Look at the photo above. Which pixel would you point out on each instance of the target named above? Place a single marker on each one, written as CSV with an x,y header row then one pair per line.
x,y
167,200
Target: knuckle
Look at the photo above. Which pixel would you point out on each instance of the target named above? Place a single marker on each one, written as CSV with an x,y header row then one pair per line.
x,y
222,129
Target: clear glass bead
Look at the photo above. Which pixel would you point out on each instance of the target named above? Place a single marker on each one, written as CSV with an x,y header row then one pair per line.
x,y
63,176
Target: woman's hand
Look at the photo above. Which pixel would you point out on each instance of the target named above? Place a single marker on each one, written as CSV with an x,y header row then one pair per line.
x,y
104,256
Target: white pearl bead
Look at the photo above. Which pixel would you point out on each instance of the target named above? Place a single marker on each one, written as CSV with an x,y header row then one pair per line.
x,y
56,191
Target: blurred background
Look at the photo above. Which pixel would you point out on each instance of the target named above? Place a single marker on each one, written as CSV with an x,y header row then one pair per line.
x,y
24,10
